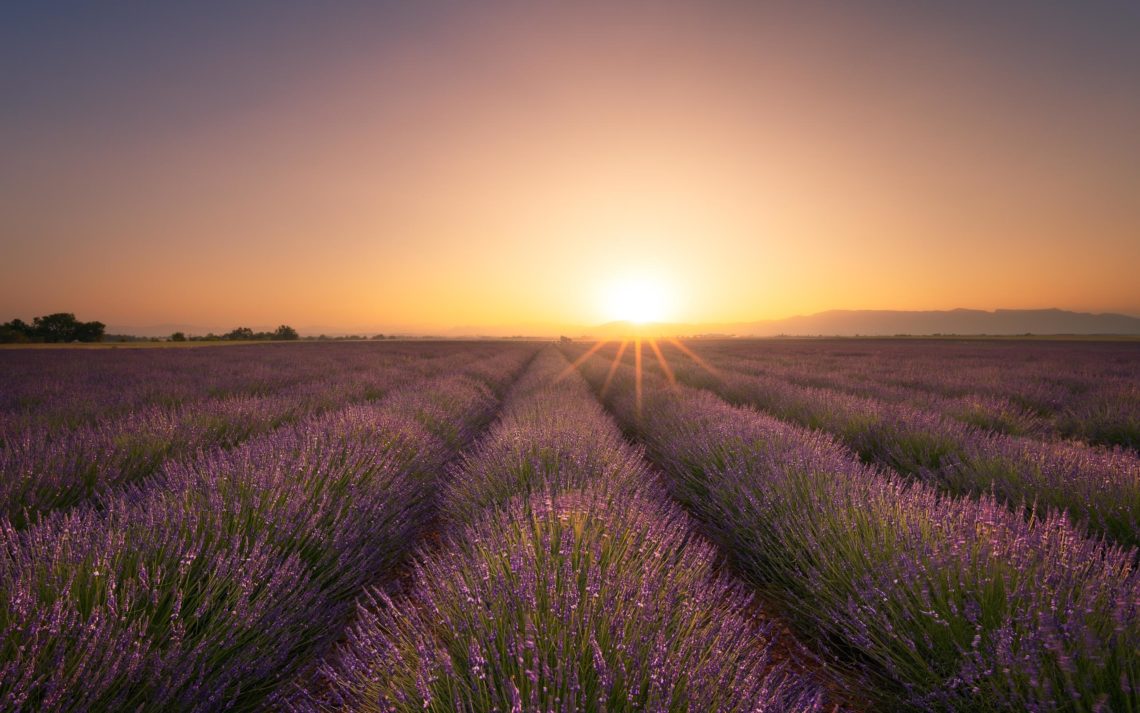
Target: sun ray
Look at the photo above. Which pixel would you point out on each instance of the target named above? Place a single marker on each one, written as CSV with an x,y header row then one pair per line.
x,y
664,364
580,360
637,374
693,355
614,366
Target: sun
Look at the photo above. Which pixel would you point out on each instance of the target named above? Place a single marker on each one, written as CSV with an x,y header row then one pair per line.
x,y
639,299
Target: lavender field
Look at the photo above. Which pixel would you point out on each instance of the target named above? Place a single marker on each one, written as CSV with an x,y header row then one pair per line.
x,y
799,525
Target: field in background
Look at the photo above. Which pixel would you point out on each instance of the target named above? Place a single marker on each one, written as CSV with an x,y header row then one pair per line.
x,y
788,525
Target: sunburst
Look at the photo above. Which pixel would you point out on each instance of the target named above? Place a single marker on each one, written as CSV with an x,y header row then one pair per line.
x,y
638,341
638,300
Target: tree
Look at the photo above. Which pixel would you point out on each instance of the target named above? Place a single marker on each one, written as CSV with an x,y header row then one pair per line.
x,y
16,331
178,337
89,332
240,333
286,332
58,327
64,327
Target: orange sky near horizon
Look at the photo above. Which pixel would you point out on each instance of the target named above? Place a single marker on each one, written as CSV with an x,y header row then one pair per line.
x,y
508,166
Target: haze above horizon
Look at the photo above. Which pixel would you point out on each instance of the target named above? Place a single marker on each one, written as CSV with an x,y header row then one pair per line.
x,y
450,164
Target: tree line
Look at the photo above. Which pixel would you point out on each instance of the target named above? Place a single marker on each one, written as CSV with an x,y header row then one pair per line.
x,y
244,334
58,327
64,327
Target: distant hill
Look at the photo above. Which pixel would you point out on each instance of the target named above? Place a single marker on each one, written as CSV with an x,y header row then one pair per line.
x,y
956,321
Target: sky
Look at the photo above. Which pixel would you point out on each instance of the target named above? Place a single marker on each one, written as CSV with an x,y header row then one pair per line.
x,y
429,165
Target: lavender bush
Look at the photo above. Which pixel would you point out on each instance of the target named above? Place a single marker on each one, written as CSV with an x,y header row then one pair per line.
x,y
567,582
943,603
207,587
569,603
552,437
1097,487
1083,390
44,468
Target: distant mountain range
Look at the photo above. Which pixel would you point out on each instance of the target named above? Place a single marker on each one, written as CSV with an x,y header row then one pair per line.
x,y
955,321
830,323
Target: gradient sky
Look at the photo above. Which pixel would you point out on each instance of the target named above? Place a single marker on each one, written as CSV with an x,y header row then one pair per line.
x,y
428,164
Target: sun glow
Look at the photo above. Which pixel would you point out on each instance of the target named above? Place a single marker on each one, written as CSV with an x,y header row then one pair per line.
x,y
637,299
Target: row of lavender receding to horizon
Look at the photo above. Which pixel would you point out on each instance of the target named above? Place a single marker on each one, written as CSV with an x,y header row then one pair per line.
x,y
1099,488
564,581
211,584
62,388
1087,391
45,466
937,602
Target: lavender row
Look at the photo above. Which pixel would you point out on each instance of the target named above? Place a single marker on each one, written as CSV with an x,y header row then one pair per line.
x,y
993,412
1085,391
44,469
566,582
1042,376
208,589
1098,488
938,603
58,389
552,437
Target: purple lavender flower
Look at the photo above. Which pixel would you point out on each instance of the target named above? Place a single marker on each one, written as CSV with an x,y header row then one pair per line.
x,y
941,603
